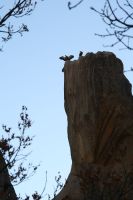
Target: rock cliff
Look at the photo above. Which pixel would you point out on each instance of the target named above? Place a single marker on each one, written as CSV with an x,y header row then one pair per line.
x,y
7,191
99,108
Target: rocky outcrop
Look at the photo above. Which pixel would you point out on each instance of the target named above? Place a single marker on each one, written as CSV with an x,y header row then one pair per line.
x,y
99,108
7,191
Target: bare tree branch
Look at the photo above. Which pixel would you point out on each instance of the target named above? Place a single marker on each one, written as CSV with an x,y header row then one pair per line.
x,y
75,5
19,9
119,21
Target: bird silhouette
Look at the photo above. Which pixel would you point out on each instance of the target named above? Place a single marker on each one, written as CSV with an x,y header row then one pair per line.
x,y
66,58
80,53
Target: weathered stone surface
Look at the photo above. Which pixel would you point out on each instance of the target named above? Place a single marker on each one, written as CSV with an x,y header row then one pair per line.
x,y
99,108
7,191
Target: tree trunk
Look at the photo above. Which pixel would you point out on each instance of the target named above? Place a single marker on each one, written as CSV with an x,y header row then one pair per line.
x,y
99,108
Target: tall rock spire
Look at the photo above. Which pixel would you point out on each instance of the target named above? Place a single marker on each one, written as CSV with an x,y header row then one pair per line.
x,y
99,108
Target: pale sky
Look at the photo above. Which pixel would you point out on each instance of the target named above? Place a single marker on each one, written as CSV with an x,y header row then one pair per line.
x,y
31,76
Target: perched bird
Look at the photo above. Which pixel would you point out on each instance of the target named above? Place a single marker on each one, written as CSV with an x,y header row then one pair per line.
x,y
65,58
80,53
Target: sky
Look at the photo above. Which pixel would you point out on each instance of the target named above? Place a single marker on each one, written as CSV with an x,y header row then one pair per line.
x,y
31,75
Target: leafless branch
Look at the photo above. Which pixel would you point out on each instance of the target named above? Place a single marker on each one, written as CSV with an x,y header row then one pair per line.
x,y
12,148
119,21
19,9
129,70
75,5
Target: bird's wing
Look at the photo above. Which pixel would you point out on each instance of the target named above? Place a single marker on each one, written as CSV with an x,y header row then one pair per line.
x,y
61,58
71,56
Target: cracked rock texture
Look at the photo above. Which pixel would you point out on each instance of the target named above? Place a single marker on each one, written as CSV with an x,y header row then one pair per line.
x,y
99,108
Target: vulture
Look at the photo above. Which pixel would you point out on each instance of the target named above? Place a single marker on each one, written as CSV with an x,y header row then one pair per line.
x,y
65,58
80,53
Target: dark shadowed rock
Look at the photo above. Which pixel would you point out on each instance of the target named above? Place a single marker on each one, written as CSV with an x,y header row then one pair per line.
x,y
99,108
7,191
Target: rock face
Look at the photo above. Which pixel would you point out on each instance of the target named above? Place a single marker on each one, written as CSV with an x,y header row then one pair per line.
x,y
7,191
99,108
